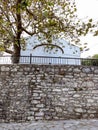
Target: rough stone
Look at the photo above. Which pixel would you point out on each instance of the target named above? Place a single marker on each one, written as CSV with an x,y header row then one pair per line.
x,y
76,95
87,70
36,92
79,110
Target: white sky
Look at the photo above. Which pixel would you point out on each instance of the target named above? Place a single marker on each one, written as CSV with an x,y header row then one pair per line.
x,y
88,8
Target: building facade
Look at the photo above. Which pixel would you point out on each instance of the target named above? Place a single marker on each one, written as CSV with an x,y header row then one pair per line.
x,y
54,56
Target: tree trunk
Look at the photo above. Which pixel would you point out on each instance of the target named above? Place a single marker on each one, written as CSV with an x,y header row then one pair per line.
x,y
16,55
17,47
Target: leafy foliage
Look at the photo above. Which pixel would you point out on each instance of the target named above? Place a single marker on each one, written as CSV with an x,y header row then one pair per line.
x,y
93,61
48,19
95,56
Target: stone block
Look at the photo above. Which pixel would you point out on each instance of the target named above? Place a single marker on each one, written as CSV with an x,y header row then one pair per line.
x,y
39,114
79,110
40,105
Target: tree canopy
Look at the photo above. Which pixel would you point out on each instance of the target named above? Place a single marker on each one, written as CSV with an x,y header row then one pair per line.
x,y
95,56
48,19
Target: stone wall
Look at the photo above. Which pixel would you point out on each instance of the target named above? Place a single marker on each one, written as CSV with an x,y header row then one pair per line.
x,y
33,92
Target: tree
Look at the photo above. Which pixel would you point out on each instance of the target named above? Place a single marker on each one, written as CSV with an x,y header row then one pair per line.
x,y
91,61
48,19
95,56
95,59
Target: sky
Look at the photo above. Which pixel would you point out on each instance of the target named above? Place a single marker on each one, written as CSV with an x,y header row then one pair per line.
x,y
88,9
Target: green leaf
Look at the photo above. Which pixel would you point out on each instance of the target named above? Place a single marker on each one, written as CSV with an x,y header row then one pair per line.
x,y
96,33
90,20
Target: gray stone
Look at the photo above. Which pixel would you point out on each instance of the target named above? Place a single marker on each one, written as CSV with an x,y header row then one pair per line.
x,y
96,71
39,114
77,70
40,105
65,92
57,90
35,101
58,109
79,110
76,95
90,100
86,70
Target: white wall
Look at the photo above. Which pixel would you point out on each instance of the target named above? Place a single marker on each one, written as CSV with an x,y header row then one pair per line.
x,y
5,58
70,51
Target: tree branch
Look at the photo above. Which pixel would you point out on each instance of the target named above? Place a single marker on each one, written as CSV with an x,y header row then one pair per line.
x,y
9,51
8,18
28,32
31,13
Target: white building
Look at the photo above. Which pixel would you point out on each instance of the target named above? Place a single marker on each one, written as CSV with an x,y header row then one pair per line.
x,y
54,56
5,58
40,55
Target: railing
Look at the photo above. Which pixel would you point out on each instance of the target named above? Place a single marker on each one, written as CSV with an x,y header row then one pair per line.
x,y
50,60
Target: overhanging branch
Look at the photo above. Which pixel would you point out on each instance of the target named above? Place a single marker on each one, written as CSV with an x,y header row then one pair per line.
x,y
28,32
8,51
31,13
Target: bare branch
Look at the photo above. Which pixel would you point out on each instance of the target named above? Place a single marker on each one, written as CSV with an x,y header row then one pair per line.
x,y
28,24
31,13
28,32
9,51
7,16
